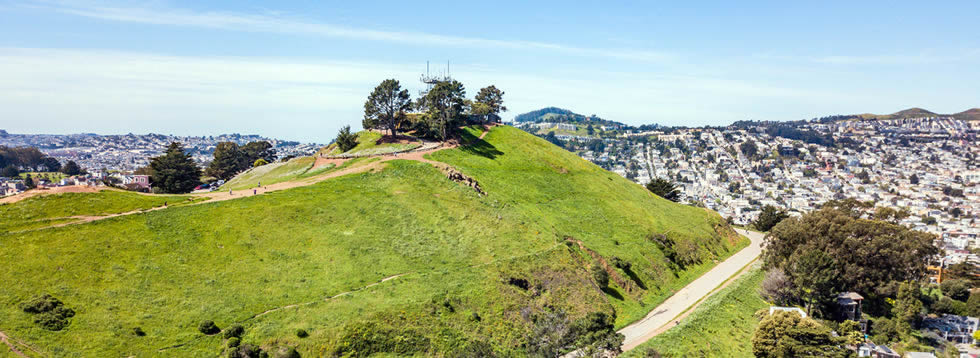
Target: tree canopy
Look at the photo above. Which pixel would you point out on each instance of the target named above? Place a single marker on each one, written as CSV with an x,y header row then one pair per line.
x,y
386,106
489,102
787,334
852,253
345,139
175,171
71,168
665,189
231,159
444,104
769,217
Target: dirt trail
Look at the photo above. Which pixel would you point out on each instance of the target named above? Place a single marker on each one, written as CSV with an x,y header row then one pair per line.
x,y
12,343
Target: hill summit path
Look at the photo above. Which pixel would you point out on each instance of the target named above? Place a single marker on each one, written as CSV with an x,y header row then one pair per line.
x,y
682,302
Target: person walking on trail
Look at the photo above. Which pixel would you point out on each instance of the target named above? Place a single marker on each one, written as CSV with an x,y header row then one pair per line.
x,y
255,191
229,192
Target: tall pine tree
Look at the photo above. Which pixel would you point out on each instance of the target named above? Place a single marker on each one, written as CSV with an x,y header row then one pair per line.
x,y
174,171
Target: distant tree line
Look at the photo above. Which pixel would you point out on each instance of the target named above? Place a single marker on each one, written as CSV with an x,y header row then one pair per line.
x,y
15,159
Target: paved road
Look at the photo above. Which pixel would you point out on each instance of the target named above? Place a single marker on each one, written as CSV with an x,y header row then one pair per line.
x,y
642,330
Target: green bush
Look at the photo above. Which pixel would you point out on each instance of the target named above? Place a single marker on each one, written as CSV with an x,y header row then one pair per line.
x,y
301,333
138,332
49,312
367,338
600,276
208,327
245,350
234,342
235,330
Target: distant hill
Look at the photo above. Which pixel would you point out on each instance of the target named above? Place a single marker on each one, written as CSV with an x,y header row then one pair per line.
x,y
915,112
972,114
397,260
555,114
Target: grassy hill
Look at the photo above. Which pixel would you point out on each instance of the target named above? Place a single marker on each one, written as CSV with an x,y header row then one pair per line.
x,y
398,260
915,112
46,210
722,326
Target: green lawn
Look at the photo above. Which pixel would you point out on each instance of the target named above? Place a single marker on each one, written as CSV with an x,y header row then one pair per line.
x,y
367,144
721,326
165,271
45,210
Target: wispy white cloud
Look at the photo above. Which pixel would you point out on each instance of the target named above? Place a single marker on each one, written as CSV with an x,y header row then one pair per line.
x,y
275,22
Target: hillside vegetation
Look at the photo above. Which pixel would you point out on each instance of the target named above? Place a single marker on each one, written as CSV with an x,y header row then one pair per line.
x,y
399,260
369,143
721,326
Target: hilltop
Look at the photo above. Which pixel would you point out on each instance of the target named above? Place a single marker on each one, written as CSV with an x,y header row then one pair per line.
x,y
391,257
915,112
555,114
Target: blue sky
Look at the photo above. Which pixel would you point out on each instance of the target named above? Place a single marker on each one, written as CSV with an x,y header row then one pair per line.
x,y
301,70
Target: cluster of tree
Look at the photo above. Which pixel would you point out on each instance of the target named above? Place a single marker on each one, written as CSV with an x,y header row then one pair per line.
x,y
174,172
231,159
13,159
822,253
440,110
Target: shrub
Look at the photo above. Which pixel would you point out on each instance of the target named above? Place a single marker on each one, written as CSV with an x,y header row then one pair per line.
x,y
245,350
600,276
138,332
208,327
621,264
259,162
235,330
234,342
286,352
301,333
49,312
367,338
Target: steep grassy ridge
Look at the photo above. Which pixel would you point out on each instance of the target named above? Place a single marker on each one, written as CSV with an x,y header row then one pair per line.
x,y
472,270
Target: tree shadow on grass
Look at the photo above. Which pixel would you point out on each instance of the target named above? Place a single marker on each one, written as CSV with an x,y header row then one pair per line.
x,y
612,292
474,145
635,278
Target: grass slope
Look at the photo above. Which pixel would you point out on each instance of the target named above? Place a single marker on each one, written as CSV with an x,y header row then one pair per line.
x,y
312,257
45,210
722,326
367,144
271,173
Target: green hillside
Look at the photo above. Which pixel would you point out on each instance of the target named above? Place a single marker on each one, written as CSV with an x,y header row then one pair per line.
x,y
398,260
369,143
46,210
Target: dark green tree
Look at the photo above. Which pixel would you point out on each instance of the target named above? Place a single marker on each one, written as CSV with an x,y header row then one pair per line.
x,y
9,171
815,279
769,217
228,161
957,289
749,149
908,306
175,171
345,139
71,168
444,104
600,276
386,105
29,182
489,103
665,189
51,164
786,334
258,150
